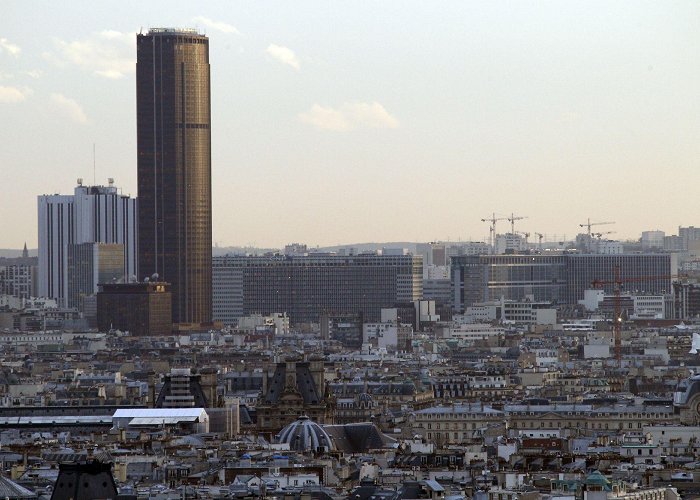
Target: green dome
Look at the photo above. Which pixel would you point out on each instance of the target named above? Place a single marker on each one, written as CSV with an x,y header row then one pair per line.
x,y
595,478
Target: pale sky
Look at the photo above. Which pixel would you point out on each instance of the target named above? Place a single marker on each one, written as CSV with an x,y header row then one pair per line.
x,y
340,122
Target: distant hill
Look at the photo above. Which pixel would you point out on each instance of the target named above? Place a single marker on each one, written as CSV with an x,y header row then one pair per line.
x,y
359,247
236,250
370,247
218,251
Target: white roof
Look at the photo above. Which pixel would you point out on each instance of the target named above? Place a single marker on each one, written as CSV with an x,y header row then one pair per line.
x,y
160,413
151,421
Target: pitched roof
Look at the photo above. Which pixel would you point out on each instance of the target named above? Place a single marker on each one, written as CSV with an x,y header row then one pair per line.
x,y
10,489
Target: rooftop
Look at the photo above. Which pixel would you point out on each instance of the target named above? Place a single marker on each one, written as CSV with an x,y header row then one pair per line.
x,y
174,31
158,413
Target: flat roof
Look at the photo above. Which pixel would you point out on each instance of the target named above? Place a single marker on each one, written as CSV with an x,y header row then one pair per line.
x,y
174,31
36,421
159,413
460,408
151,421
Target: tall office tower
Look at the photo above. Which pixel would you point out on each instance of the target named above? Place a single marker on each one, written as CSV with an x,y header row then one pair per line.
x,y
92,214
174,166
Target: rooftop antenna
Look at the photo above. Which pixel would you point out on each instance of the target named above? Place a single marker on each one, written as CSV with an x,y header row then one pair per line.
x,y
94,177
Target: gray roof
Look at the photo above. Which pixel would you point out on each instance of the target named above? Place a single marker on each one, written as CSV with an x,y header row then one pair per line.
x,y
305,435
461,408
358,437
158,412
305,384
585,408
37,421
11,490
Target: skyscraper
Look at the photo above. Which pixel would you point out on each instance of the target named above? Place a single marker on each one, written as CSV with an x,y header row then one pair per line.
x,y
174,166
92,214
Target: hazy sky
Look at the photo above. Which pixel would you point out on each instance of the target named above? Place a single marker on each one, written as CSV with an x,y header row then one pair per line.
x,y
338,122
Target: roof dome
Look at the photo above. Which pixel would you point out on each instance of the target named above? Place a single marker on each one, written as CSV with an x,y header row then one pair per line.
x,y
597,479
305,435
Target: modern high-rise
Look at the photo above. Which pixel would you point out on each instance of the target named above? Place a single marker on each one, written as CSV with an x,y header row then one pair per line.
x,y
174,166
308,286
558,278
89,265
142,309
92,214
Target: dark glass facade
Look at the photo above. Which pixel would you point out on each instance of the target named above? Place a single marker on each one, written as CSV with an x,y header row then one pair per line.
x,y
90,264
140,308
561,279
643,273
174,167
305,287
480,278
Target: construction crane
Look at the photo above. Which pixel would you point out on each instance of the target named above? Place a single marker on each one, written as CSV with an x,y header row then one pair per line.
x,y
492,229
525,234
588,225
600,235
512,220
539,237
618,283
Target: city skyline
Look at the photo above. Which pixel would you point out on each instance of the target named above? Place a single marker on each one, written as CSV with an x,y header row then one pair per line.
x,y
422,121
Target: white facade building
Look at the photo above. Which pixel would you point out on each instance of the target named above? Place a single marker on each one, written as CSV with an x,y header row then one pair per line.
x,y
509,242
92,214
650,306
469,248
385,335
607,247
475,332
511,311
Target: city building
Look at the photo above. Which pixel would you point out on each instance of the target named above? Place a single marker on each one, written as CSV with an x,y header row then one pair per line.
x,y
293,389
90,264
174,166
510,243
686,298
92,214
307,286
510,311
631,305
457,423
484,278
18,275
653,240
647,273
558,279
295,249
184,389
345,328
139,308
688,235
469,248
606,247
434,254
